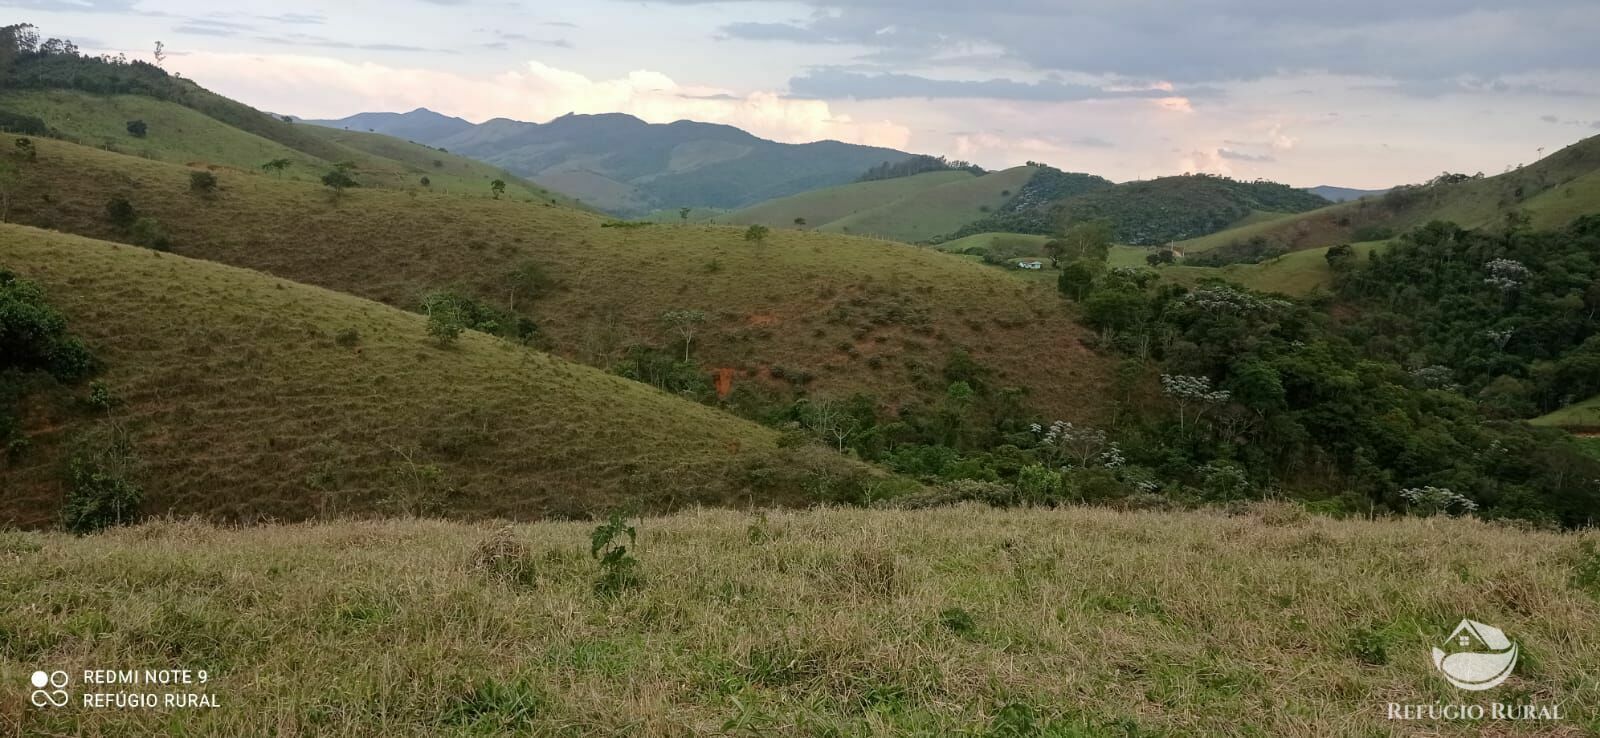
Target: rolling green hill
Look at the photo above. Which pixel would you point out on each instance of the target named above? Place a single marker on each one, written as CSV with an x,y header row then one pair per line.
x,y
1174,208
804,310
622,164
181,135
821,207
909,209
934,212
1552,191
249,396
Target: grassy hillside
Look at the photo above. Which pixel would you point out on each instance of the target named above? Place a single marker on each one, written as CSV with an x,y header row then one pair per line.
x,y
446,172
809,310
181,135
1552,191
824,206
251,397
960,621
934,212
909,209
1297,274
1581,415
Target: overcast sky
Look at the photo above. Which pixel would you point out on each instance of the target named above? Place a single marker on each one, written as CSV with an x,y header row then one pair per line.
x,y
1360,93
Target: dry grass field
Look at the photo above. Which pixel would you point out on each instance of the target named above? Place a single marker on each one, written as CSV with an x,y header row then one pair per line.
x,y
849,315
249,397
949,622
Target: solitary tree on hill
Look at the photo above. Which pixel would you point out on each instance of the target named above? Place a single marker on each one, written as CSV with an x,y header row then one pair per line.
x,y
276,166
137,128
687,323
801,222
757,234
338,180
498,187
683,214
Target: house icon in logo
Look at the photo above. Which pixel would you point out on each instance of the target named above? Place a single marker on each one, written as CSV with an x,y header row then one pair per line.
x,y
1481,656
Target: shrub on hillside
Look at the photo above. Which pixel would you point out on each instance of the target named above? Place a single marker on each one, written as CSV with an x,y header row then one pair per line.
x,y
121,213
101,487
149,233
204,183
137,128
26,125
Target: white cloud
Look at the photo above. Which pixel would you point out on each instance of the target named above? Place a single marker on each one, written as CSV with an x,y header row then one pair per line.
x,y
322,87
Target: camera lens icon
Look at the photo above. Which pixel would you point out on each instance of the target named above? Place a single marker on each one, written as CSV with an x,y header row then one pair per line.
x,y
49,689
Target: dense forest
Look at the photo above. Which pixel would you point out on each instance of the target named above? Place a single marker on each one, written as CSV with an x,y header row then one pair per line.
x,y
1029,211
1152,212
1507,318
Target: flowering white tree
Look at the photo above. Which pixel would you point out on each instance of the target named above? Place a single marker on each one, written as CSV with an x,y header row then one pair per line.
x,y
1436,500
1071,443
1192,392
1505,274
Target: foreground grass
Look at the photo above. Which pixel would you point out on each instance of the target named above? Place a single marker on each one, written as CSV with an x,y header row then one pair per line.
x,y
962,621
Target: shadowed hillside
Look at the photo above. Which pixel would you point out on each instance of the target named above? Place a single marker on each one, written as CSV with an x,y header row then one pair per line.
x,y
247,397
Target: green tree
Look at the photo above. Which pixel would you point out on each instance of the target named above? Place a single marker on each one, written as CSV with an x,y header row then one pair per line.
x,y
801,222
527,280
757,234
498,187
338,180
446,320
137,128
1077,278
1086,240
683,214
1340,258
276,166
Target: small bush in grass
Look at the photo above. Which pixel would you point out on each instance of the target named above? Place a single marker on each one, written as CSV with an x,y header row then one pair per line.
x,y
619,570
204,183
149,233
101,397
1370,645
347,338
101,491
505,559
1586,569
495,707
121,213
959,621
137,128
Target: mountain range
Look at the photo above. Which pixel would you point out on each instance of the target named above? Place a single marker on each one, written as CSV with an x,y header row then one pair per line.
x,y
621,164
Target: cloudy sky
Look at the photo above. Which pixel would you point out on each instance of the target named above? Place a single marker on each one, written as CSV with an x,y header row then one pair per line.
x,y
1360,93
